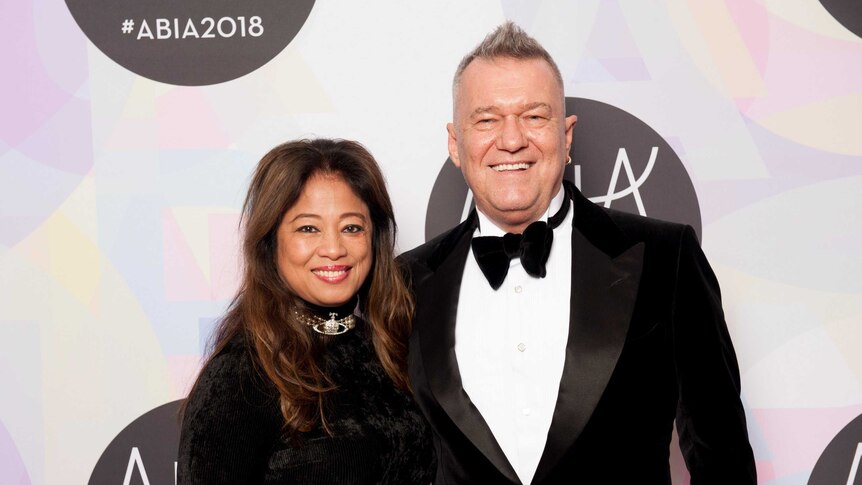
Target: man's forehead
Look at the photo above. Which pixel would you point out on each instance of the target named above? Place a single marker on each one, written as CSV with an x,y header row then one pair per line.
x,y
483,68
493,89
486,76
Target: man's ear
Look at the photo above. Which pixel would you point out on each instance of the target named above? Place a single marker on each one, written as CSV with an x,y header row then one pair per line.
x,y
453,145
571,121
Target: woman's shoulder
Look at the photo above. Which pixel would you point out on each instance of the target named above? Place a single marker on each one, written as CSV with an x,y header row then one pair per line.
x,y
235,359
231,420
232,383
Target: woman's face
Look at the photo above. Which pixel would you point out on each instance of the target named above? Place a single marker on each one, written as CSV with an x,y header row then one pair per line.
x,y
324,242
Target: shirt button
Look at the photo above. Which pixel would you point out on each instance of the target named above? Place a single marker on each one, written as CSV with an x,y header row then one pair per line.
x,y
518,289
522,347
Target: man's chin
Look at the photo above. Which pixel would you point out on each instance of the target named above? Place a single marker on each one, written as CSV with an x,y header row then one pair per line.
x,y
514,217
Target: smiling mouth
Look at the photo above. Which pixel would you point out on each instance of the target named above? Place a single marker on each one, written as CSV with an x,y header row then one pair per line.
x,y
332,274
509,167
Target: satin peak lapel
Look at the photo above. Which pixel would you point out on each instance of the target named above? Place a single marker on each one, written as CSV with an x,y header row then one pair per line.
x,y
604,290
437,340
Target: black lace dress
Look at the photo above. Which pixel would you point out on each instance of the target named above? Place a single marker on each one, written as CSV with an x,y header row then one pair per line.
x,y
231,431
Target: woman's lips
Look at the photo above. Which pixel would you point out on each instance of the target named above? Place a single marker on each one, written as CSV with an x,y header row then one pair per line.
x,y
331,274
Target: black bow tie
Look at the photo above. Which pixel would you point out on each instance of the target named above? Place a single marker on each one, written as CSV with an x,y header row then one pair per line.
x,y
533,247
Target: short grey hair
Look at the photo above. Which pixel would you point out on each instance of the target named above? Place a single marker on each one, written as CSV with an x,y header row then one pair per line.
x,y
506,41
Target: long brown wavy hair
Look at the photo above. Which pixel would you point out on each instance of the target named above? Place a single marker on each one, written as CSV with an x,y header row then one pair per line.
x,y
282,347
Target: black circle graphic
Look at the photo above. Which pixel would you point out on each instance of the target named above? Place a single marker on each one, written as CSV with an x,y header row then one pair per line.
x,y
840,462
193,42
618,161
847,12
148,446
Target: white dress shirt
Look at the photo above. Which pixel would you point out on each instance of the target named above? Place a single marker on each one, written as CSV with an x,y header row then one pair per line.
x,y
511,344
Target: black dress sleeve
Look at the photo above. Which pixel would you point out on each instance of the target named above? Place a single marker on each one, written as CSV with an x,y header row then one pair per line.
x,y
230,424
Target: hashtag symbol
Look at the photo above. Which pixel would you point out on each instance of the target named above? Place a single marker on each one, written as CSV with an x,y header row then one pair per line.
x,y
128,25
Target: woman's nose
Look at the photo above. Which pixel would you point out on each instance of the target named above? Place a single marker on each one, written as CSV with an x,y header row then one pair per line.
x,y
332,246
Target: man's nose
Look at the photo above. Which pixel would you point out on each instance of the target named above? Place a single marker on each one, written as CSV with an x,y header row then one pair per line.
x,y
512,135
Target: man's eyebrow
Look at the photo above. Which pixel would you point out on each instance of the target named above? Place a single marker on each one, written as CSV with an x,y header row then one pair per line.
x,y
482,110
528,107
536,105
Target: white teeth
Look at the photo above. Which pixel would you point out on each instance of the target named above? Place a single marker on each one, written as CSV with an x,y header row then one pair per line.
x,y
511,166
330,274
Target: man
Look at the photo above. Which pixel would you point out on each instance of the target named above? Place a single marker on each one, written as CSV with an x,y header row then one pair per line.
x,y
571,371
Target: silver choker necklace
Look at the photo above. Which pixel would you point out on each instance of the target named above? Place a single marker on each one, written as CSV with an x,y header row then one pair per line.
x,y
331,326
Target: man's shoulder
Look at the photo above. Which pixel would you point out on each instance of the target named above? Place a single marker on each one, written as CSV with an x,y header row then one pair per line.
x,y
432,252
615,231
641,227
601,222
424,251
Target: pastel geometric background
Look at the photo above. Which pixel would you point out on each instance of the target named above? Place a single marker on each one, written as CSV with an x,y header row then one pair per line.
x,y
119,196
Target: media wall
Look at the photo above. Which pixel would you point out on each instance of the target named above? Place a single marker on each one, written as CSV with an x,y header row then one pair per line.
x,y
129,131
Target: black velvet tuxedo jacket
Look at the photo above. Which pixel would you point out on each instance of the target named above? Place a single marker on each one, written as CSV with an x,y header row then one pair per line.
x,y
647,344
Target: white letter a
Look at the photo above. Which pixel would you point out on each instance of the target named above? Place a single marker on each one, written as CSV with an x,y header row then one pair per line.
x,y
135,460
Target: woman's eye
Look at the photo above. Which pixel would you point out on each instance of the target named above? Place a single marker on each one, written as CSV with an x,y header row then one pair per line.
x,y
308,229
353,228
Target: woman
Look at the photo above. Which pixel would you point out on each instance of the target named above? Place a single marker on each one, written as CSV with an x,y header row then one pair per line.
x,y
298,388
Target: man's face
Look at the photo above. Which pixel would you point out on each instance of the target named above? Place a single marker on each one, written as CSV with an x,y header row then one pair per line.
x,y
510,138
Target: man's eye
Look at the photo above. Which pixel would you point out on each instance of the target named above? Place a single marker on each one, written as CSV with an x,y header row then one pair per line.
x,y
306,229
353,228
